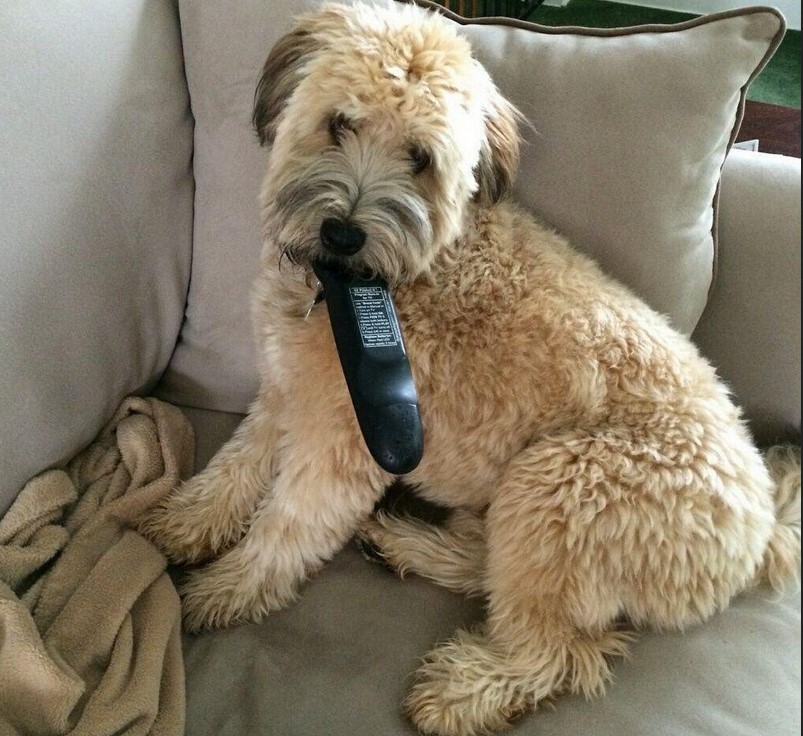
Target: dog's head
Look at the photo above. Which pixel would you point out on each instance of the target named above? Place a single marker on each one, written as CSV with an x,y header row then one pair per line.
x,y
383,130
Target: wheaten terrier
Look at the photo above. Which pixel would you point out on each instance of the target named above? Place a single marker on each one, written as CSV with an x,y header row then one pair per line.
x,y
598,467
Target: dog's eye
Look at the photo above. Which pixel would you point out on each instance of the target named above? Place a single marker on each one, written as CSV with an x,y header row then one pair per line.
x,y
419,159
338,125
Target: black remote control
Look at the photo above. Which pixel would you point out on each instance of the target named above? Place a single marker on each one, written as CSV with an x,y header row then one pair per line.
x,y
374,361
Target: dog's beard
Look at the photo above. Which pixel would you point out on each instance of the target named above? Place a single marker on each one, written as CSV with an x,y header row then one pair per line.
x,y
369,186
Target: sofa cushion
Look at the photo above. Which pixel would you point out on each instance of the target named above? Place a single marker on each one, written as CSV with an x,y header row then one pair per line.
x,y
631,130
750,328
96,213
337,661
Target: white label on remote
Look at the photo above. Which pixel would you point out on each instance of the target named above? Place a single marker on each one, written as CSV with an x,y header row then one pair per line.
x,y
375,318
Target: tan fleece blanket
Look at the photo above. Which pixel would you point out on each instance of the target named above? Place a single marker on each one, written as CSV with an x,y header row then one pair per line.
x,y
89,620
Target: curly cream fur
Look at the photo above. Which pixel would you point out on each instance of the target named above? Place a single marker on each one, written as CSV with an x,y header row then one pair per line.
x,y
601,469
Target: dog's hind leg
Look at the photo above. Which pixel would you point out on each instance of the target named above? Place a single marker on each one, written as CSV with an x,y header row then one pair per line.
x,y
451,555
552,609
209,512
646,521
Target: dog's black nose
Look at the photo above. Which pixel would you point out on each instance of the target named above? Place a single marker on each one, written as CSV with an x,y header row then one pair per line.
x,y
341,237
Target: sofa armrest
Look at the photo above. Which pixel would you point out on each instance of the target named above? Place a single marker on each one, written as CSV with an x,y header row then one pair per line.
x,y
750,329
96,209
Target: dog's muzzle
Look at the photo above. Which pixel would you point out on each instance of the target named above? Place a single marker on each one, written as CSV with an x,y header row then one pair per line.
x,y
341,237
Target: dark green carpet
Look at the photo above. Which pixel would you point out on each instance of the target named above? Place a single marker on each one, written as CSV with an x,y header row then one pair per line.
x,y
778,84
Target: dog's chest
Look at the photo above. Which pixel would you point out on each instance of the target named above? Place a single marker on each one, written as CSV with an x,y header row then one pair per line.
x,y
484,375
488,376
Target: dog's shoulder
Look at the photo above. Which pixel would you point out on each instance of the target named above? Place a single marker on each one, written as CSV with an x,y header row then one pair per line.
x,y
505,257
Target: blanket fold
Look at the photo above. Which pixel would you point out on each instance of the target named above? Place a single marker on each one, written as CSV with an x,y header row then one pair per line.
x,y
89,620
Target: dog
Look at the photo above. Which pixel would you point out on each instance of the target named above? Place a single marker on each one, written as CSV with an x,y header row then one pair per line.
x,y
597,467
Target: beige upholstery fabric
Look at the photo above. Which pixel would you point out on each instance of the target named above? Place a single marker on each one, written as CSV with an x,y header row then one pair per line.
x,y
632,130
751,326
336,662
95,218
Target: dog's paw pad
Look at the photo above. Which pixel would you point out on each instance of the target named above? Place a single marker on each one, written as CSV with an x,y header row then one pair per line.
x,y
371,552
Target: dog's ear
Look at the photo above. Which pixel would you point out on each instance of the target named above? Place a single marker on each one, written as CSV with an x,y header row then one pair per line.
x,y
280,75
499,156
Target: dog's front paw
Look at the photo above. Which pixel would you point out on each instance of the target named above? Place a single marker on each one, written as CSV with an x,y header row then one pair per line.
x,y
202,607
211,599
185,526
231,590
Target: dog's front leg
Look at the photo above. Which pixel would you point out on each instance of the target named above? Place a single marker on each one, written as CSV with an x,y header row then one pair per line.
x,y
210,511
316,504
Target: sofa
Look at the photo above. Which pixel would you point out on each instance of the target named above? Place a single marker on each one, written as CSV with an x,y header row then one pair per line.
x,y
128,184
